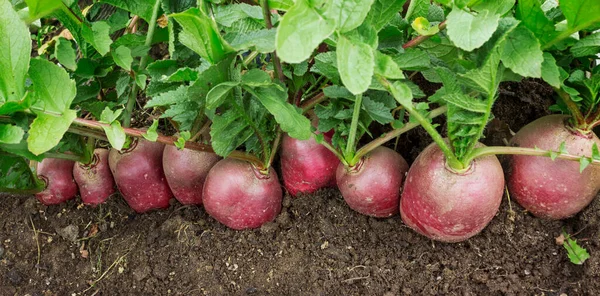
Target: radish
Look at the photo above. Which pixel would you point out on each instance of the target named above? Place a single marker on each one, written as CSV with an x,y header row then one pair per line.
x,y
139,175
240,196
552,189
58,176
372,186
186,171
95,181
307,165
448,206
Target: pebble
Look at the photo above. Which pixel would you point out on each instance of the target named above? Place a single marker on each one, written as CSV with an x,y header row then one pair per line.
x,y
69,233
1,252
251,290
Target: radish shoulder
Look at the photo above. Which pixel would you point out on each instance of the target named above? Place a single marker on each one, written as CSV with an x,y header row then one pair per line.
x,y
447,206
95,181
58,176
239,196
552,189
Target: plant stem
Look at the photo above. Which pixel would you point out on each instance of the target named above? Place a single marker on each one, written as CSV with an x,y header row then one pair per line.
x,y
267,16
393,134
73,157
133,95
275,147
67,10
351,145
167,140
451,159
310,103
251,56
495,150
416,41
573,109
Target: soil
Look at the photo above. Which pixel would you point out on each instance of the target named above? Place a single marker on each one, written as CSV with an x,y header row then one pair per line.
x,y
316,246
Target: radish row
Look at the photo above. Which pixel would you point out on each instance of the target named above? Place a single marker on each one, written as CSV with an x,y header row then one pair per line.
x,y
434,200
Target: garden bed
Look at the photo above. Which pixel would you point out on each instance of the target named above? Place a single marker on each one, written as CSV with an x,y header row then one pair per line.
x,y
316,246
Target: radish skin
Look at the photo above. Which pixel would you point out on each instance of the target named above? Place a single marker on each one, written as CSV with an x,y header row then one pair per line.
x,y
58,176
447,206
552,189
139,175
372,187
95,181
186,171
306,165
238,195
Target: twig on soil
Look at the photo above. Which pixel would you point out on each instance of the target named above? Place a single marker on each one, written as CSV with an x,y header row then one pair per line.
x,y
579,231
511,213
37,242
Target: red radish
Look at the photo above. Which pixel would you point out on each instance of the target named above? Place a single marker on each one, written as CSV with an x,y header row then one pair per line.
x,y
306,165
58,176
139,175
552,189
372,187
448,206
186,171
240,196
95,180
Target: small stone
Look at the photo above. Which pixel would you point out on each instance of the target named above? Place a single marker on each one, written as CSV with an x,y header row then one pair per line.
x,y
1,252
69,233
14,277
527,272
251,290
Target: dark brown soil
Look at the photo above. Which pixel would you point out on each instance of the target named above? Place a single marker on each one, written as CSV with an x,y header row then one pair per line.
x,y
317,245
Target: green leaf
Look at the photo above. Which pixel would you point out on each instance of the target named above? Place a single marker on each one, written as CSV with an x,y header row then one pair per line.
x,y
562,149
402,94
262,40
230,14
143,8
15,174
183,137
522,53
580,14
219,93
15,45
10,134
201,34
553,155
348,14
356,64
383,11
65,53
46,130
326,65
595,152
288,116
413,59
336,91
53,89
417,8
423,27
550,72
485,78
466,102
386,67
41,8
140,80
108,116
300,31
530,13
377,111
115,134
98,35
151,134
583,163
167,98
281,4
468,31
588,46
122,57
577,254
228,131
256,77
499,7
